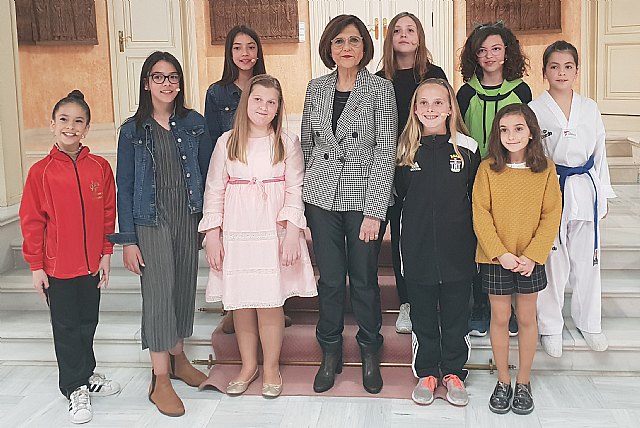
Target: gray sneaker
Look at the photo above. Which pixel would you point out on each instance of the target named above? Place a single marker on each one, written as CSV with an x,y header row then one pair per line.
x,y
596,341
423,392
403,324
552,344
80,406
456,392
100,386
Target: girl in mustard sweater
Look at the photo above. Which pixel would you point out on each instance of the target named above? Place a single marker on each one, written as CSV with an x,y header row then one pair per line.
x,y
516,215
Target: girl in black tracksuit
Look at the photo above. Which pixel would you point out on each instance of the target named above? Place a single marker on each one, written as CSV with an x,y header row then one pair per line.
x,y
437,243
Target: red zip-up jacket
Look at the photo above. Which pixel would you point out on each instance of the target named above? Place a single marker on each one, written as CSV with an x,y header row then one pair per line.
x,y
68,208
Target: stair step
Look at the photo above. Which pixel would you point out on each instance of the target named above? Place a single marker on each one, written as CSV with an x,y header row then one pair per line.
x,y
620,293
26,337
123,292
618,148
623,170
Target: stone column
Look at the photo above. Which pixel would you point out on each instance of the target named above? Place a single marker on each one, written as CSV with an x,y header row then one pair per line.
x,y
11,179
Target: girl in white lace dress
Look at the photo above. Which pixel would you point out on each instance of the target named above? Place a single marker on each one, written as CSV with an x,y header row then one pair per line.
x,y
254,222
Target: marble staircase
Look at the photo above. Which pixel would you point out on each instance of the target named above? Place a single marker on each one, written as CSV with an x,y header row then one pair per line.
x,y
25,331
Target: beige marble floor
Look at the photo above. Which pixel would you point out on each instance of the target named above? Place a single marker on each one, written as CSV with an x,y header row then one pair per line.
x,y
29,398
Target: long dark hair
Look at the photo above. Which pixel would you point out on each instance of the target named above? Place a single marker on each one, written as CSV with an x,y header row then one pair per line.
x,y
534,154
230,72
145,106
515,61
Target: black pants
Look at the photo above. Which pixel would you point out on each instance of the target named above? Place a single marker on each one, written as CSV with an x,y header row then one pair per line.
x,y
74,305
480,297
339,251
440,343
393,218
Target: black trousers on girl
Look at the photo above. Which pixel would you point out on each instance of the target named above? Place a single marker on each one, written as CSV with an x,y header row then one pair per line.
x,y
393,218
74,305
439,339
339,251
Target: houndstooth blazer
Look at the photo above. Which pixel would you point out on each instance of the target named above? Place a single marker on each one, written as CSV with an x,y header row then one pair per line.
x,y
353,169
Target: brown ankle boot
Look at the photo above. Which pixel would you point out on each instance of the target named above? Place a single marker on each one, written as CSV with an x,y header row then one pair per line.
x,y
181,368
162,394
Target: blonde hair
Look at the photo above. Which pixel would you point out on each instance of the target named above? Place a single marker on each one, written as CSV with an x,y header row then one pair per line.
x,y
409,141
423,59
237,144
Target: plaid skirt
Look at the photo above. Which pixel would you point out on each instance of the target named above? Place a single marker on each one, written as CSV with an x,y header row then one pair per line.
x,y
500,281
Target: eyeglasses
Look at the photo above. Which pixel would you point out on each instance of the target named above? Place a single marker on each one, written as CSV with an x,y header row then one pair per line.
x,y
340,42
160,78
495,51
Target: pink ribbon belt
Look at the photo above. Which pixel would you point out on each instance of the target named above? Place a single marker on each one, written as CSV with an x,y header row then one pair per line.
x,y
254,180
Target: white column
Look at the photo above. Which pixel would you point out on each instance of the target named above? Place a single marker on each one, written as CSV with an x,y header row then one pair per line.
x,y
11,179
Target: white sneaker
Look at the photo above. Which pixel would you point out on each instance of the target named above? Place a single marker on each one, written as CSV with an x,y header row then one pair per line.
x,y
403,323
596,341
552,344
80,406
100,386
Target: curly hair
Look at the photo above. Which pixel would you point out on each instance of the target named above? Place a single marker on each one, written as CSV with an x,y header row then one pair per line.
x,y
515,61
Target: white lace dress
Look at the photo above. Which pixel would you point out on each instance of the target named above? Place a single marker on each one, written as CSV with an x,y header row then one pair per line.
x,y
252,203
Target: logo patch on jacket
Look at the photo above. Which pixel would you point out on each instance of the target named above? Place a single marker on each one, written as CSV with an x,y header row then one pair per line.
x,y
96,190
455,162
546,133
415,167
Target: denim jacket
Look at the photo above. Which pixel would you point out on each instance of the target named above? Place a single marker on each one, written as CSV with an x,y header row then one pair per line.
x,y
135,173
220,108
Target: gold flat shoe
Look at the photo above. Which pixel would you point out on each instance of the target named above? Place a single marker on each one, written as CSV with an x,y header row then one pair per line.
x,y
238,387
272,390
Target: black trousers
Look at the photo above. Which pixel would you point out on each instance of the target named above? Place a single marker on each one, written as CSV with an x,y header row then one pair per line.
x,y
480,297
74,305
393,218
339,251
440,342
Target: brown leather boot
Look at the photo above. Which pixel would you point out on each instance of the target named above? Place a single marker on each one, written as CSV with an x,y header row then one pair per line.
x,y
181,368
162,394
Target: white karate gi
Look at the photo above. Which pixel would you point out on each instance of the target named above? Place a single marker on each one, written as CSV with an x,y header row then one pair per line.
x,y
571,262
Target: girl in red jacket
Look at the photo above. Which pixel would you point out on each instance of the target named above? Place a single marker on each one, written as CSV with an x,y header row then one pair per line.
x,y
67,210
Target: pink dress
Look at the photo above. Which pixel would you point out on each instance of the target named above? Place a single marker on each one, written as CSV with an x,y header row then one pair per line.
x,y
251,203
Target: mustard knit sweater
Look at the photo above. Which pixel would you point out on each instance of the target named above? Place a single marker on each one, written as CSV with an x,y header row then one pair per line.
x,y
515,211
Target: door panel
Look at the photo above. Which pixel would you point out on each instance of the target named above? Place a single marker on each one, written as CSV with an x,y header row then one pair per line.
x,y
141,27
618,52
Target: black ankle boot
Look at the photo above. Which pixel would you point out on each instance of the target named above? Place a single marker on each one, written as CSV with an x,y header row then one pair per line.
x,y
371,377
331,364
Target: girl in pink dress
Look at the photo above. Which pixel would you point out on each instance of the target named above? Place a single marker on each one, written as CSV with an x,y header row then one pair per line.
x,y
254,222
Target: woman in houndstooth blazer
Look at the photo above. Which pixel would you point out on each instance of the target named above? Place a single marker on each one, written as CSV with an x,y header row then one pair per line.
x,y
349,128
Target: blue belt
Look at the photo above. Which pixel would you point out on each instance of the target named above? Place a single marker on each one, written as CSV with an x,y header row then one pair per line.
x,y
567,171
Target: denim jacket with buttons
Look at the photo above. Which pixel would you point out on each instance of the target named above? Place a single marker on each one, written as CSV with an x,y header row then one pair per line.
x,y
135,173
220,108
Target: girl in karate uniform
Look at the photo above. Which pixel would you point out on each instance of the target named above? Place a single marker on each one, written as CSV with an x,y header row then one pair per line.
x,y
574,138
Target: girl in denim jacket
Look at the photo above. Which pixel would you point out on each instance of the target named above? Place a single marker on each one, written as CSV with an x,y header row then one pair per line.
x,y
163,152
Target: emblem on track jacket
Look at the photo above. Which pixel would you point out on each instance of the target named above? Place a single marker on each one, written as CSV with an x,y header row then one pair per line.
x,y
455,162
415,167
